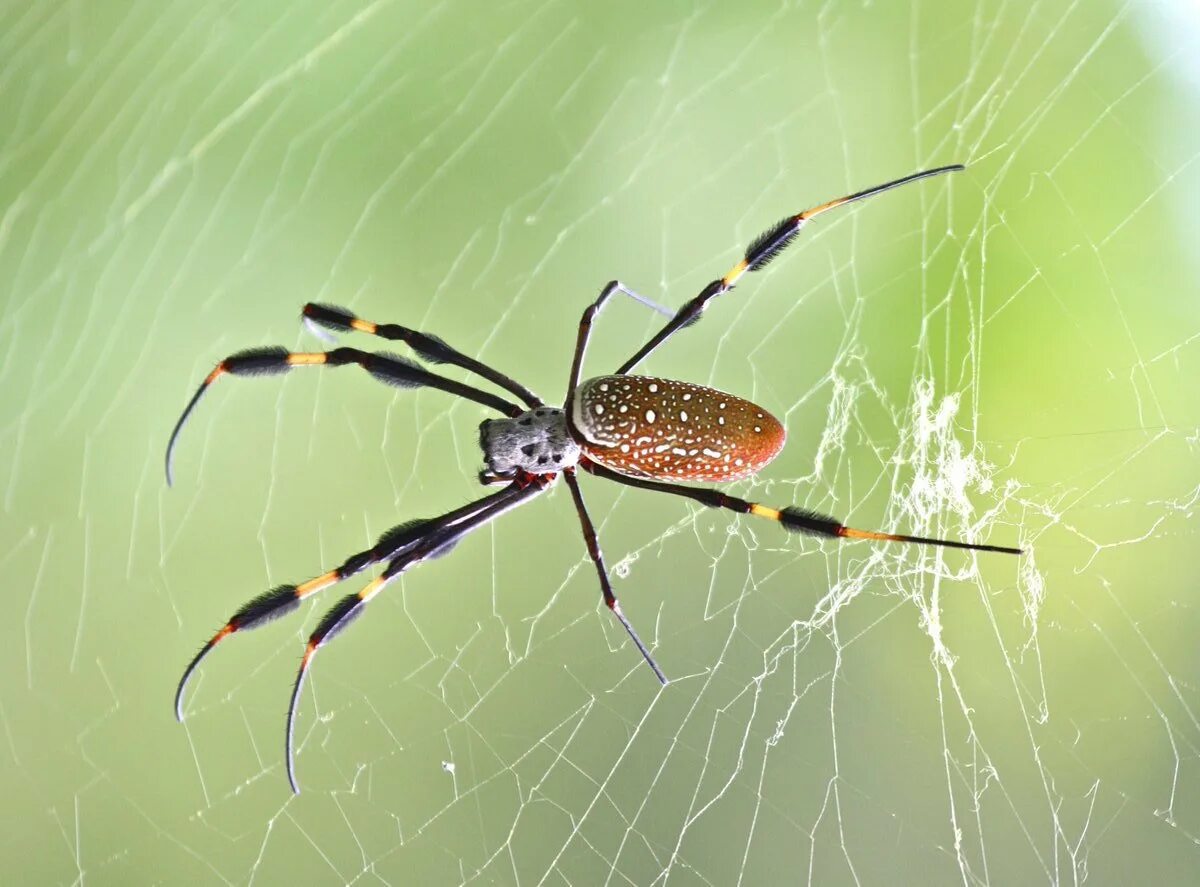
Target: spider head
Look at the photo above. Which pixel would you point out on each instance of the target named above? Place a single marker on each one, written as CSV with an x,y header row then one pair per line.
x,y
536,442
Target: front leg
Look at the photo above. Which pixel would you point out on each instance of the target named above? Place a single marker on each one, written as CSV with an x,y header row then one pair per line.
x,y
758,255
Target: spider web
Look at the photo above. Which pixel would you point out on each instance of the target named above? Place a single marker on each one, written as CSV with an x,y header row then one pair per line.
x,y
1006,355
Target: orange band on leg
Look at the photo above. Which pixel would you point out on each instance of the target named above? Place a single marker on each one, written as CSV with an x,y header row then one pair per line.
x,y
312,585
735,272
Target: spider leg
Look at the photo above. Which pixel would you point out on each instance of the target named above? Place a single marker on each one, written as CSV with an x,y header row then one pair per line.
x,y
388,368
431,348
283,599
794,519
610,598
760,252
585,326
350,607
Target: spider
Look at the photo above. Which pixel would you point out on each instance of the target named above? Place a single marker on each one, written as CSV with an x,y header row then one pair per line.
x,y
641,431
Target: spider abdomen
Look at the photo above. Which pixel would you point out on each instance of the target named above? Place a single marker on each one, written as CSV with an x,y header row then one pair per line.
x,y
642,426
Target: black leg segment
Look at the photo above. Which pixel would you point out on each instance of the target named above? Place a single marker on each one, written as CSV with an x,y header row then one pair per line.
x,y
283,599
350,607
758,255
388,368
432,348
610,598
796,520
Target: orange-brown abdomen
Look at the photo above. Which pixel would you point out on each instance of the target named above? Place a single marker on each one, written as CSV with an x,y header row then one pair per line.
x,y
646,427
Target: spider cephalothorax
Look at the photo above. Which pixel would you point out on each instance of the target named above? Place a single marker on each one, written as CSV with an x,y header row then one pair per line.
x,y
537,442
643,432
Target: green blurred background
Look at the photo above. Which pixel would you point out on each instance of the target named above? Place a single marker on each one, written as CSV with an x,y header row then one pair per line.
x,y
1009,354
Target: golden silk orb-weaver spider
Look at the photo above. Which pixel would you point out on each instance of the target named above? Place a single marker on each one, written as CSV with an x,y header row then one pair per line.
x,y
640,431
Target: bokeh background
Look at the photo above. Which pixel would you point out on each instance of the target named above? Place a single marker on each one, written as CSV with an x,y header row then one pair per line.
x,y
1009,355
